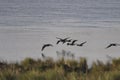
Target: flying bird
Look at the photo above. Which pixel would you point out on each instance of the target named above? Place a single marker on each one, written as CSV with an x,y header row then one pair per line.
x,y
63,40
46,45
73,43
58,41
69,40
82,43
112,44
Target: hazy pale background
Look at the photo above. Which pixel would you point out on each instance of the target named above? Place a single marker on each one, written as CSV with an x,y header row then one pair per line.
x,y
25,25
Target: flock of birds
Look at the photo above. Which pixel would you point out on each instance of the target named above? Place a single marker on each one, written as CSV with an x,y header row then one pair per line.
x,y
71,42
65,40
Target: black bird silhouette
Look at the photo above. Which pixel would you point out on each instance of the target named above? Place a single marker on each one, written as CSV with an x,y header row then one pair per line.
x,y
63,40
58,41
43,55
82,43
73,43
112,44
69,40
46,45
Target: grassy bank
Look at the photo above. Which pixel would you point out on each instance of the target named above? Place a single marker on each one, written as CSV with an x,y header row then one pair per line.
x,y
30,69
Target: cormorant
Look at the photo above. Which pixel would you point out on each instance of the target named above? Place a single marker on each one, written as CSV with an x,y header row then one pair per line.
x,y
63,40
81,43
112,44
46,45
73,43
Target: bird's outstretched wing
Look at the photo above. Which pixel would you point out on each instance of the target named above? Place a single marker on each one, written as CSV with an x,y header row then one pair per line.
x,y
43,47
109,46
69,40
50,45
46,45
83,42
74,41
58,42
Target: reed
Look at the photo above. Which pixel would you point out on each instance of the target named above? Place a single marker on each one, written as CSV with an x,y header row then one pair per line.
x,y
62,69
